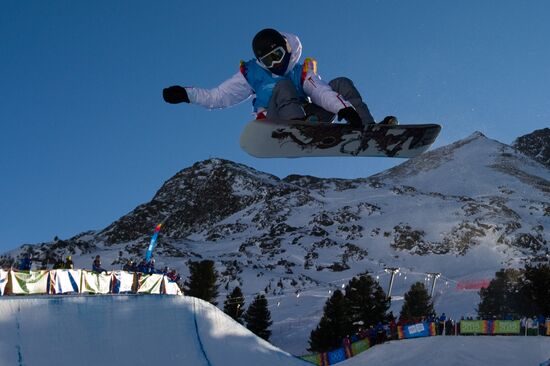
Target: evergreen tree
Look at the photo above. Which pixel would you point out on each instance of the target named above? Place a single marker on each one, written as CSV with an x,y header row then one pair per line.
x,y
367,302
502,296
258,317
234,305
534,291
418,303
333,326
202,281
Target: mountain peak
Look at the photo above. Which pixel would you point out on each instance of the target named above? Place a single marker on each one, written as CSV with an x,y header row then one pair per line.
x,y
536,145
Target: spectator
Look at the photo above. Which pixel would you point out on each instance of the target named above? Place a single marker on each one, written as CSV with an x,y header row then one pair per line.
x,y
96,266
151,266
449,327
129,266
142,267
26,262
173,276
59,264
69,263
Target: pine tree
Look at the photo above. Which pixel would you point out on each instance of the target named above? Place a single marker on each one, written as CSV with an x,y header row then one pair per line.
x,y
202,281
418,303
535,291
367,302
234,305
258,317
502,296
333,326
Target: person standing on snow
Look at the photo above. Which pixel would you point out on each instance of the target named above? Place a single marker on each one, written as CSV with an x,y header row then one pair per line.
x,y
282,87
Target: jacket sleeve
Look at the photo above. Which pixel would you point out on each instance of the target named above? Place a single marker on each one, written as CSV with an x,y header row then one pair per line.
x,y
230,92
320,92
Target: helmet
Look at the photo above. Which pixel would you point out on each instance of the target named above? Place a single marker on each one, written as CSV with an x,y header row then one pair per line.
x,y
272,49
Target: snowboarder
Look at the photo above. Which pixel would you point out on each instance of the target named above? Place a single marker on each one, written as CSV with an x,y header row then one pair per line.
x,y
283,88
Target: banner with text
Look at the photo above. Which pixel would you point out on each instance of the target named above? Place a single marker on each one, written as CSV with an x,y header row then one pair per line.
x,y
489,327
416,330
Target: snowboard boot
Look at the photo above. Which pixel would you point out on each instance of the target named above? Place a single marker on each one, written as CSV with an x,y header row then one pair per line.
x,y
389,120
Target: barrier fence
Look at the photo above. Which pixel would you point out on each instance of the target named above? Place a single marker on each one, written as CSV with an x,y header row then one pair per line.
x,y
62,281
425,329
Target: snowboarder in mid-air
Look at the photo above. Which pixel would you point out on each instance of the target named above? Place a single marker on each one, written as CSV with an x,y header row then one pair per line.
x,y
282,87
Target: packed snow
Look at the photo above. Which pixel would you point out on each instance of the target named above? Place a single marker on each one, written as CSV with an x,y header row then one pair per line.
x,y
457,351
127,330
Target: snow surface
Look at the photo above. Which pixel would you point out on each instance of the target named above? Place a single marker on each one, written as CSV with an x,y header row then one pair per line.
x,y
127,330
457,351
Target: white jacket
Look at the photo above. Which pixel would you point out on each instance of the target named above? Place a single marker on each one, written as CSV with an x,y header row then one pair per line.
x,y
236,89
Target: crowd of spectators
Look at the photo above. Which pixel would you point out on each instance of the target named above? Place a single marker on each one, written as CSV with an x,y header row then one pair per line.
x,y
383,332
146,267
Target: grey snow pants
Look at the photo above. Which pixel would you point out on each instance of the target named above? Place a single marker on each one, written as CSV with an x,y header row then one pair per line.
x,y
286,104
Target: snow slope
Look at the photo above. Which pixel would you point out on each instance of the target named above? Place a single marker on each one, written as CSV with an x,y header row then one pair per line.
x,y
127,330
457,351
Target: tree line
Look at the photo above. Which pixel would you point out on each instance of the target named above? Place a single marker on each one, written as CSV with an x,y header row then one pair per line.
x,y
517,293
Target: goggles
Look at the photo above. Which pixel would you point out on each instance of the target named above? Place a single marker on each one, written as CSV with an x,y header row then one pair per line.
x,y
273,57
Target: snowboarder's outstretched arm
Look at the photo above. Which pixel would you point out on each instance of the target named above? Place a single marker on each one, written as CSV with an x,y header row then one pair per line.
x,y
230,92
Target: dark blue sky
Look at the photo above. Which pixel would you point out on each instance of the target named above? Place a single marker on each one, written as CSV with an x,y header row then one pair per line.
x,y
86,136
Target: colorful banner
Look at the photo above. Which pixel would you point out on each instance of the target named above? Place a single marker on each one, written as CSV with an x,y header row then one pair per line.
x,y
506,327
28,283
149,283
122,282
153,242
416,330
66,280
489,327
338,355
170,287
96,283
473,327
3,281
548,327
360,346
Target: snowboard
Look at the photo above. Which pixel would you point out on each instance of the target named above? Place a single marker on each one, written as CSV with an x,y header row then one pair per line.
x,y
296,139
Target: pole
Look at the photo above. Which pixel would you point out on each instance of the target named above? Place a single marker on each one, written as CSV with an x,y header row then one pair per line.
x,y
435,276
394,271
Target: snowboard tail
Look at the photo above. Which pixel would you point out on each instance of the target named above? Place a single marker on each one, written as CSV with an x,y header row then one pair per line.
x,y
293,139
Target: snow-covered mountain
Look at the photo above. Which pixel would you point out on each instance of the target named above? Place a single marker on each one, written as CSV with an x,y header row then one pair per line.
x,y
464,210
535,145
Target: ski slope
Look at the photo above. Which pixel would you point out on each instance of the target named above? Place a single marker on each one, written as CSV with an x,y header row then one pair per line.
x,y
457,351
127,330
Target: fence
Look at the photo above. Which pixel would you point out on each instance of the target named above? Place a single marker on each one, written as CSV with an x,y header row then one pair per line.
x,y
62,281
425,329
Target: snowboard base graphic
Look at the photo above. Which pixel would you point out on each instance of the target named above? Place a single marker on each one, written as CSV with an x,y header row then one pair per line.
x,y
296,139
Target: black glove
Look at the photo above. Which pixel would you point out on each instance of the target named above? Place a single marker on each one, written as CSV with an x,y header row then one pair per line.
x,y
350,115
175,94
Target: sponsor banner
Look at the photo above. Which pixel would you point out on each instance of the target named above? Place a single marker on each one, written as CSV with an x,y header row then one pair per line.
x,y
490,327
473,327
28,283
96,283
3,281
314,359
416,330
123,282
506,327
149,283
66,280
336,356
170,287
360,346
